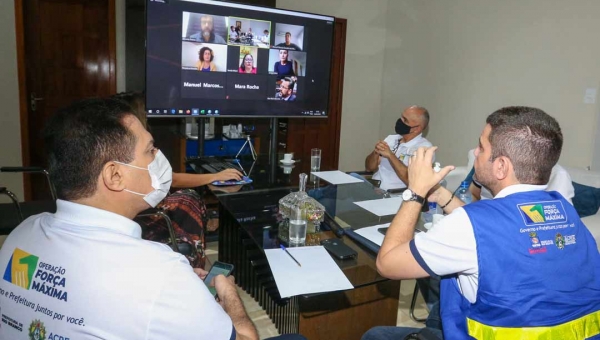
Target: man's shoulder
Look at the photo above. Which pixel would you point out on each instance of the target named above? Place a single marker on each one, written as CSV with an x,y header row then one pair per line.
x,y
219,40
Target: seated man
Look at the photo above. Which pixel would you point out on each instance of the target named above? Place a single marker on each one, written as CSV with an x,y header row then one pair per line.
x,y
84,272
499,258
390,156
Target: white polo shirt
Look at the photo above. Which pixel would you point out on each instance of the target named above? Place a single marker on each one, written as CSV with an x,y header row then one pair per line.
x,y
386,173
85,273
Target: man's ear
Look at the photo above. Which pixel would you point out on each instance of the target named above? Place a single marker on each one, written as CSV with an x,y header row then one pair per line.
x,y
502,167
112,176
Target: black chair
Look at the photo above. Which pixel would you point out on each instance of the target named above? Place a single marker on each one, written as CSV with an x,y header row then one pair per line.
x,y
14,213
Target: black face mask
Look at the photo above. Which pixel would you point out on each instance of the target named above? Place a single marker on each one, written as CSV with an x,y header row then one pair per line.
x,y
402,128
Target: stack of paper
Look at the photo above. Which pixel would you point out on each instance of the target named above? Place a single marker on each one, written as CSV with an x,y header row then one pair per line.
x,y
336,177
318,273
372,234
382,207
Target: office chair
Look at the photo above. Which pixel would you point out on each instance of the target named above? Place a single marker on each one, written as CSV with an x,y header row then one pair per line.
x,y
15,212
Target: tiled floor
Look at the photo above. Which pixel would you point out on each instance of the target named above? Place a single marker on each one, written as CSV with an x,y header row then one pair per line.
x,y
266,328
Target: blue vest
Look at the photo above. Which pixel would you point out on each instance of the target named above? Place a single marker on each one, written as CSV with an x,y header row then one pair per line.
x,y
538,267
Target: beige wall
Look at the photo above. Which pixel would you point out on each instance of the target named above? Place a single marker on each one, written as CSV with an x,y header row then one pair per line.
x,y
10,128
463,59
365,44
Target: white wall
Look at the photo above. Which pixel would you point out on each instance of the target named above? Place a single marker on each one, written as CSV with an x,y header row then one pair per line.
x,y
463,59
10,126
365,42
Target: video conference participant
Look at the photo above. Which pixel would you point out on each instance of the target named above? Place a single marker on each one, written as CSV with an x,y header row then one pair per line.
x,y
102,162
288,43
266,38
233,35
283,67
205,62
494,255
286,89
247,65
389,159
207,33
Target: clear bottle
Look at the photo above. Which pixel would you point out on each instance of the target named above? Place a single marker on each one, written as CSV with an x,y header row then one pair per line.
x,y
463,192
314,212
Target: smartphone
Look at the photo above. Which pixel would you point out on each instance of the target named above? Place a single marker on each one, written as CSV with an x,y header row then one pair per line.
x,y
217,269
338,249
383,230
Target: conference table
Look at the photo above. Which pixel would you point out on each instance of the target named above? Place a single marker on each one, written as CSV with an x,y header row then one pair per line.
x,y
248,224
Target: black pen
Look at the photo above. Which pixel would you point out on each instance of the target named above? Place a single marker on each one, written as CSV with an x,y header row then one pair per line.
x,y
282,247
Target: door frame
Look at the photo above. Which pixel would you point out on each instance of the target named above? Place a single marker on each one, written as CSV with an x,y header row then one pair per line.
x,y
22,79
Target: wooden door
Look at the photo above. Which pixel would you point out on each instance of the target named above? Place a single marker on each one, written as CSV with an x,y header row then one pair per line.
x,y
301,135
66,51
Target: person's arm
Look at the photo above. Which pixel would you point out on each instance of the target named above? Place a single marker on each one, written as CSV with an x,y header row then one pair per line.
x,y
445,200
183,180
372,161
232,304
400,169
395,259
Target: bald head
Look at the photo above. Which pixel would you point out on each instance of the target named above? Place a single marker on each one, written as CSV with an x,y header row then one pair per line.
x,y
418,112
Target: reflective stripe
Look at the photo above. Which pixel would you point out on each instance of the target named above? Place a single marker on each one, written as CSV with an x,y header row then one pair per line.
x,y
583,328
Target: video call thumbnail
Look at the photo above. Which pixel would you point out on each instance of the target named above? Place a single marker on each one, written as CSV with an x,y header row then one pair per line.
x,y
289,37
285,63
203,57
204,28
249,32
248,59
286,89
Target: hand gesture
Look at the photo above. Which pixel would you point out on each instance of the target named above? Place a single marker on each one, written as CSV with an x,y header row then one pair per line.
x,y
421,177
228,174
384,150
200,272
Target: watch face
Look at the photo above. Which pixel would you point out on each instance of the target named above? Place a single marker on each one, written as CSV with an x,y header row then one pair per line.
x,y
407,195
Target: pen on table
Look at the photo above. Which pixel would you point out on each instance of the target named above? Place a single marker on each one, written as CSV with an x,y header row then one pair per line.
x,y
241,167
282,247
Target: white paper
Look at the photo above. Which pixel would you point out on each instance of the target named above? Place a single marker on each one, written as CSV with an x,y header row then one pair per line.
x,y
381,207
336,177
371,233
319,273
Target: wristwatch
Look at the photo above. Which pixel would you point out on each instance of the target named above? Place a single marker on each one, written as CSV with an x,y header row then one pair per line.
x,y
409,195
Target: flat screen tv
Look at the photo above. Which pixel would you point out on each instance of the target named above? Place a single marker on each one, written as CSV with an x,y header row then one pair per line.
x,y
216,58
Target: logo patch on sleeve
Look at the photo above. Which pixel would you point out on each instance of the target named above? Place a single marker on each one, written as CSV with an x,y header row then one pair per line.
x,y
539,213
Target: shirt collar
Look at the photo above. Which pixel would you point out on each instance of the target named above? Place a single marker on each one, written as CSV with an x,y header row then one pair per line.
x,y
515,188
86,215
412,141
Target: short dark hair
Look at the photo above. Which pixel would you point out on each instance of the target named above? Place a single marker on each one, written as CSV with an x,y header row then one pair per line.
x,y
530,138
201,53
81,138
291,82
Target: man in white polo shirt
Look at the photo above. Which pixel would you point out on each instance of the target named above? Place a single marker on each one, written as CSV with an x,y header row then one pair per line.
x,y
84,272
389,159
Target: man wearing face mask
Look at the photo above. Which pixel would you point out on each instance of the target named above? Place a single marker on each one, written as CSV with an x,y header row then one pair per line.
x,y
84,272
389,159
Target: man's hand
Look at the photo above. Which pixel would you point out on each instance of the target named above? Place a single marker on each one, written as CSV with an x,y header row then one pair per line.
x,y
228,174
200,272
384,150
421,177
225,287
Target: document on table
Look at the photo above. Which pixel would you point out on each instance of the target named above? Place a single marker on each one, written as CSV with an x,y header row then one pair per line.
x,y
381,207
336,177
371,233
319,273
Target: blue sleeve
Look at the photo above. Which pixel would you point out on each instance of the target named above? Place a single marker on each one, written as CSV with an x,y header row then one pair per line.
x,y
419,258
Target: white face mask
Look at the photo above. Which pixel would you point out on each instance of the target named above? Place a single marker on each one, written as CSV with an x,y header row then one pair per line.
x,y
161,175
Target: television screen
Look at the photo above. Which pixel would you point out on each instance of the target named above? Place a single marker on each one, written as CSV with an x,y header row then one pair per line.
x,y
214,58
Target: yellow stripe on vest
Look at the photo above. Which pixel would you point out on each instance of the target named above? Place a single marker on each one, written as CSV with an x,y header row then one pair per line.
x,y
582,328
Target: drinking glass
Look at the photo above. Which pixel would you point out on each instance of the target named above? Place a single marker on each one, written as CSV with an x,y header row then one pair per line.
x,y
315,159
